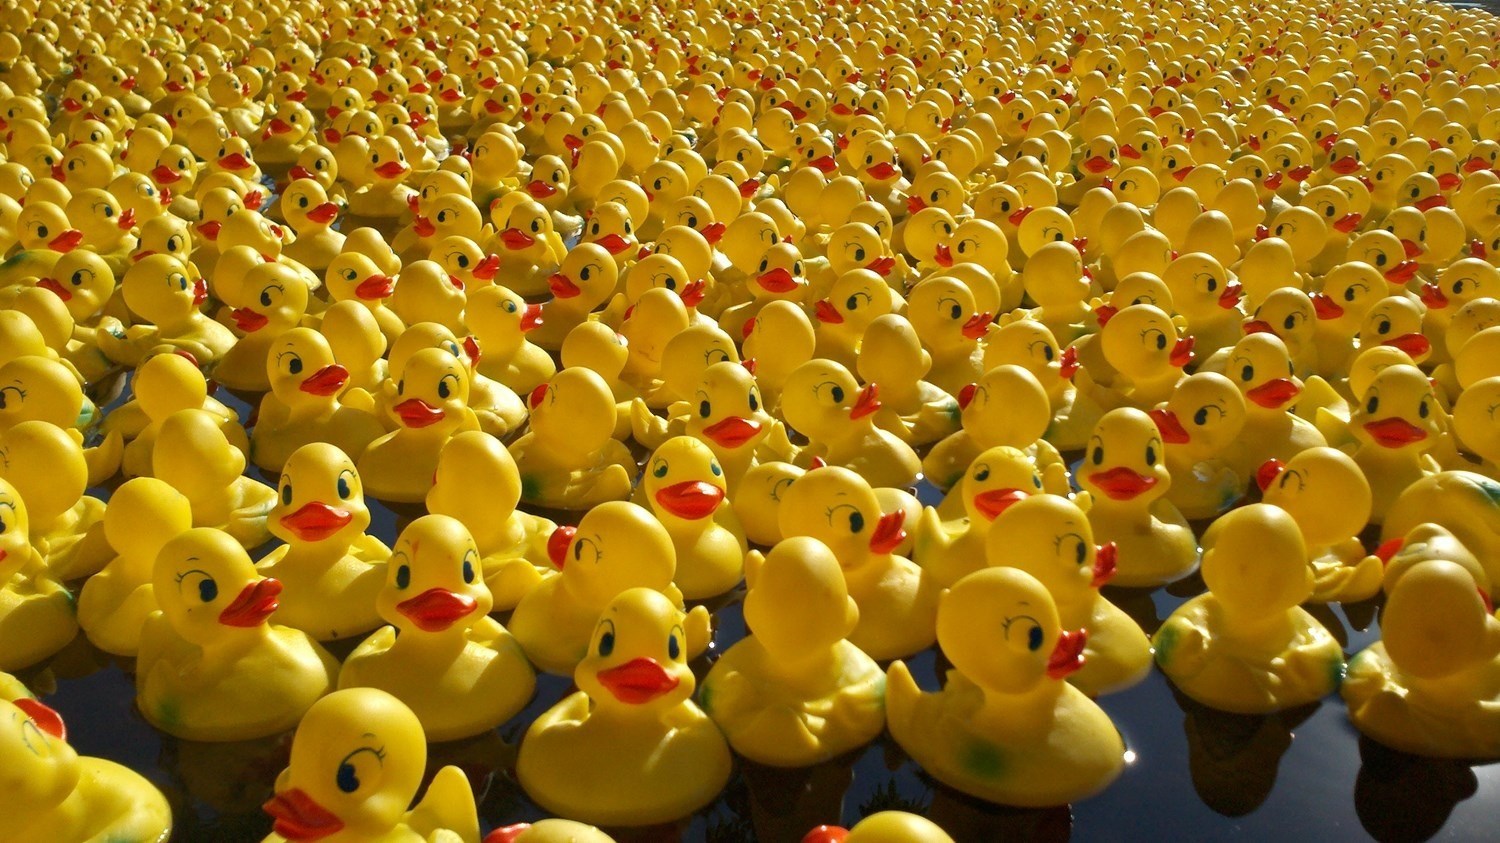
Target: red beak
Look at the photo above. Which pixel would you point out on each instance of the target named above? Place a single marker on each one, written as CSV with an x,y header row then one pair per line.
x,y
297,172
324,213
414,412
976,326
210,229
824,164
691,499
692,295
748,188
1402,272
1229,299
1067,656
234,161
1415,345
1130,152
376,287
637,681
1325,307
1345,166
1258,326
1395,432
248,320
1182,352
915,204
992,502
200,291
713,233
1268,472
942,255
325,381
778,280
1275,393
127,219
733,431
316,521
299,818
423,227
1348,222
867,403
391,170
52,284
66,241
485,270
279,126
531,318
254,604
436,609
515,239
44,717
540,189
562,286
1413,250
1432,296
1098,164
1121,483
882,266
613,243
1018,217
558,543
1106,559
1172,431
889,532
827,313
1274,182
1449,181
882,171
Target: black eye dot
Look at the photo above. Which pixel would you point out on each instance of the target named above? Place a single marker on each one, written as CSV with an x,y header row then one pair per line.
x,y
1150,455
1098,455
856,522
1247,373
1372,405
1161,342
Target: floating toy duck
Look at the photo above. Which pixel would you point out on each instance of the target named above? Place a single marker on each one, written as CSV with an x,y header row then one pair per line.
x,y
51,473
144,514
1398,420
275,302
355,276
825,403
897,601
158,290
630,747
311,214
210,667
1198,425
57,794
512,544
330,569
913,408
947,319
882,827
431,405
795,692
1050,538
780,339
501,320
1305,487
584,282
1004,699
997,478
568,458
1005,407
1246,646
204,467
1429,685
357,761
36,610
1260,366
304,404
458,669
1125,471
684,486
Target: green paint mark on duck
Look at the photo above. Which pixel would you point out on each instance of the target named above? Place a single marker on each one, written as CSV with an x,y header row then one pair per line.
x,y
982,760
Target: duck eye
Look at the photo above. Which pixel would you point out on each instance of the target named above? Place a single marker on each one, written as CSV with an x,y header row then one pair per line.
x,y
295,366
1384,327
346,778
704,409
1290,321
754,401
660,469
1034,638
1150,455
1372,405
286,494
856,522
468,570
343,488
1098,455
1247,373
1422,409
403,577
955,312
982,474
714,469
1349,294
606,644
208,590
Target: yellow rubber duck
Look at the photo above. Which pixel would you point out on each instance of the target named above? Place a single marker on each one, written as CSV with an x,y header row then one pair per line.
x,y
51,473
355,276
946,317
1474,423
275,302
143,515
1199,424
1246,646
357,762
823,401
779,339
568,458
210,666
882,827
36,610
311,214
459,670
158,290
585,281
795,692
684,486
552,830
1005,728
304,404
629,748
1397,421
1260,366
221,496
997,478
913,408
330,568
85,283
430,406
478,484
897,600
1005,407
43,236
496,408
55,794
501,320
1429,686
1304,487
856,299
1143,357
1125,472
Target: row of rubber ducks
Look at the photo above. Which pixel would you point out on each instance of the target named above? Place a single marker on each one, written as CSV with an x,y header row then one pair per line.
x,y
464,258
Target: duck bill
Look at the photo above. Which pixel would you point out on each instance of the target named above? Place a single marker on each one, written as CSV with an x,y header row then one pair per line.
x,y
515,239
733,432
824,164
1019,216
1106,560
1172,431
254,604
1415,345
126,220
1432,296
778,281
637,681
613,243
992,502
234,161
1122,483
1325,307
882,266
1067,656
376,287
1268,472
562,286
248,320
1402,272
890,532
200,292
558,544
540,189
300,818
485,270
1436,200
391,170
976,326
1182,352
416,413
713,233
44,717
1274,394
316,521
691,499
325,381
1348,222
436,609
942,255
56,288
324,213
1348,165
1229,299
1395,432
66,241
423,227
884,171
1098,165
915,204
531,318
867,402
827,313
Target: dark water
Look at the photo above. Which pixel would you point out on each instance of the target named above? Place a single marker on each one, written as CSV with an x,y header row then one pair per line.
x,y
1196,774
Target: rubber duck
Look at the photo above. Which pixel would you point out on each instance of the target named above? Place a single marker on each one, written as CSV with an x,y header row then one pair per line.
x,y
1143,358
158,290
1125,472
85,283
913,408
1004,407
209,471
356,276
1246,646
357,762
796,692
616,546
308,210
57,794
1303,487
512,544
36,610
1055,281
1349,291
304,404
629,748
460,671
1473,422
331,569
684,486
383,198
549,185
1199,423
897,600
501,320
50,472
780,338
1396,423
947,320
779,276
143,515
1049,537
586,279
43,389
824,402
882,827
949,549
43,235
1006,702
211,668
568,458
1428,686
275,301
1260,366
1454,505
